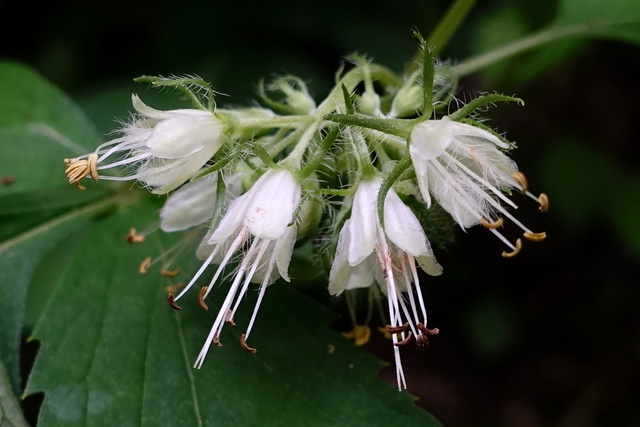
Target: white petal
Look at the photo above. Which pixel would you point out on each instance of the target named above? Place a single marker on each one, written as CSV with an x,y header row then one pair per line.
x,y
232,219
147,111
464,129
343,276
283,250
429,265
364,221
402,227
271,209
183,135
191,205
430,138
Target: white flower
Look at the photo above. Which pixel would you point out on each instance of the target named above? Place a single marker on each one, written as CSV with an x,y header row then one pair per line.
x,y
463,167
262,222
162,149
367,253
194,203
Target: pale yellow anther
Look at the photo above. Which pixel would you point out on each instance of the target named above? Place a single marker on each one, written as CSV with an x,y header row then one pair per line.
x,y
243,344
522,180
492,225
203,305
515,252
134,237
535,237
169,273
544,202
360,334
144,265
172,289
92,160
77,170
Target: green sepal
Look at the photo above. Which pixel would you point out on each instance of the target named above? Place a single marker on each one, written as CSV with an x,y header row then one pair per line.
x,y
348,101
191,86
480,102
274,105
323,148
482,126
398,127
401,167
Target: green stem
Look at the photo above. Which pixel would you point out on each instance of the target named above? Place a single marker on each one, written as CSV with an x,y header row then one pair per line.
x,y
275,122
331,103
398,170
540,38
448,25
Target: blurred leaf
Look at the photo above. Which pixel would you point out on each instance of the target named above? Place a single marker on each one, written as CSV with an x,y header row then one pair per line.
x,y
576,19
114,353
611,19
10,412
39,126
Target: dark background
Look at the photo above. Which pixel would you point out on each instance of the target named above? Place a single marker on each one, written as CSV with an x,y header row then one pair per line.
x,y
548,338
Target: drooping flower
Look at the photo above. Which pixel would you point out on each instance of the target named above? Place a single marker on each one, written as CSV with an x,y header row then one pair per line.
x,y
194,203
466,171
262,222
162,149
368,253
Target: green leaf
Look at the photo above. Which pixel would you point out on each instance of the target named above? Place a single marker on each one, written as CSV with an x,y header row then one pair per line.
x,y
114,353
39,126
10,412
619,19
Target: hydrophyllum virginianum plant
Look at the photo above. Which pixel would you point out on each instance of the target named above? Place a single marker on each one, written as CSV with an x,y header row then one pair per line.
x,y
368,176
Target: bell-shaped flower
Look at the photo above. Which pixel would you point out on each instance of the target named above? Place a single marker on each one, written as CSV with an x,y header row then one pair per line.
x,y
465,169
367,252
261,225
162,149
194,203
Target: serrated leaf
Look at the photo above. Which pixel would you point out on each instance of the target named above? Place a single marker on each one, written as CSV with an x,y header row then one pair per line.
x,y
113,353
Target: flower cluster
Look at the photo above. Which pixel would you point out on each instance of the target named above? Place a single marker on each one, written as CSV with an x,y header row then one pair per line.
x,y
360,177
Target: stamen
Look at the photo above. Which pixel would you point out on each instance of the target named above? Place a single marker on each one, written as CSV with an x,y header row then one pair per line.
x,y
404,341
203,305
144,265
522,180
425,330
8,180
92,161
216,340
384,332
422,341
169,273
515,252
492,225
172,289
229,317
77,170
360,334
172,304
535,237
544,202
134,237
397,329
244,345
